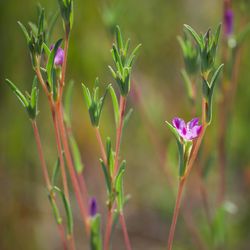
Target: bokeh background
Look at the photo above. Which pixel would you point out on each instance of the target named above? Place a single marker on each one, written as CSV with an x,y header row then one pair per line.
x,y
26,221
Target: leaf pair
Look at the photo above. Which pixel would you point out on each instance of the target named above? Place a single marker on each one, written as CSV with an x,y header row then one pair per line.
x,y
114,187
67,13
116,108
208,44
29,101
123,62
94,102
208,90
190,54
36,37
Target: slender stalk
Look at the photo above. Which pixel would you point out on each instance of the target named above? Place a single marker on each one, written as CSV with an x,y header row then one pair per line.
x,y
176,213
46,177
71,242
117,150
41,156
60,153
119,132
62,234
108,230
81,197
125,232
184,178
99,139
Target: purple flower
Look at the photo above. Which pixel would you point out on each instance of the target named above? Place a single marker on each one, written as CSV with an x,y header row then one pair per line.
x,y
59,58
188,131
92,207
228,21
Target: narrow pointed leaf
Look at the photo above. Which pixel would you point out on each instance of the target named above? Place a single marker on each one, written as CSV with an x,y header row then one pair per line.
x,y
194,35
24,31
115,104
87,96
56,171
18,93
107,176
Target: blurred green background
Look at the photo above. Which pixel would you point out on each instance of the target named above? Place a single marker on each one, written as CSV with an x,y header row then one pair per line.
x,y
25,216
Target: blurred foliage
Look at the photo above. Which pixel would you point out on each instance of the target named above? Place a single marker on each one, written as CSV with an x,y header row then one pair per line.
x,y
25,218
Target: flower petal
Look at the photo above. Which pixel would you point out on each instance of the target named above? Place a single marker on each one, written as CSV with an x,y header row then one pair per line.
x,y
192,123
178,123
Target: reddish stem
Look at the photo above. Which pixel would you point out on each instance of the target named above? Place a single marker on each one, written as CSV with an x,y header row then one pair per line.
x,y
82,201
60,152
62,234
99,139
41,156
176,213
125,232
108,230
46,177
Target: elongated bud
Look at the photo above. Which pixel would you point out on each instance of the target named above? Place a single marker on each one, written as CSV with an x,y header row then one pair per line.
x,y
228,21
93,207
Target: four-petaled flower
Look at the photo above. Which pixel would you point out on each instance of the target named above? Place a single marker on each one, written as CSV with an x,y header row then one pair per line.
x,y
188,131
59,58
92,207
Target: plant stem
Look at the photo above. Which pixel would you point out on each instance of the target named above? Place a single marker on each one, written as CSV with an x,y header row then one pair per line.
x,y
176,213
125,232
108,229
60,152
46,177
99,139
81,197
41,156
71,242
119,133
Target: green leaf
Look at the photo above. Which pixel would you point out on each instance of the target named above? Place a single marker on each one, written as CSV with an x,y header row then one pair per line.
x,y
41,21
33,27
126,118
55,173
173,130
119,39
17,93
196,37
107,176
51,25
46,49
68,210
87,96
119,186
133,55
215,76
182,165
76,154
95,233
217,35
25,32
32,109
55,210
115,104
188,85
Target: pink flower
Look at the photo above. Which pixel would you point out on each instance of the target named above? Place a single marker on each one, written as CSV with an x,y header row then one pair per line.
x,y
59,58
188,131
